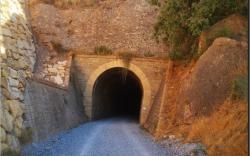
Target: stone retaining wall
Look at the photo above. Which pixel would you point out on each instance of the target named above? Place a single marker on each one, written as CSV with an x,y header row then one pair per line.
x,y
17,60
56,72
56,110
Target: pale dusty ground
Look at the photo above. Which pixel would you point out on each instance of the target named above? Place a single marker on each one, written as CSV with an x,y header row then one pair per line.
x,y
108,137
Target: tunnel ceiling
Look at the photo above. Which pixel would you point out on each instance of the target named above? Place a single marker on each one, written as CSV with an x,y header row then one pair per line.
x,y
117,92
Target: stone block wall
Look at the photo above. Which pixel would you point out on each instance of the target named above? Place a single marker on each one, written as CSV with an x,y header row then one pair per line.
x,y
57,72
17,60
153,69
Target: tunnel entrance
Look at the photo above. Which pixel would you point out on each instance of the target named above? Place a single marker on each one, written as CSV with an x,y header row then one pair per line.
x,y
117,92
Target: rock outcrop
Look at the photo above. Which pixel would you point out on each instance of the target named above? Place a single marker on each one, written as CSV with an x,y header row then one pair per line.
x,y
212,77
200,95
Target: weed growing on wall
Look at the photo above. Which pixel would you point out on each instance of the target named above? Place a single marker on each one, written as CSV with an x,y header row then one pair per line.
x,y
126,58
58,47
103,50
149,54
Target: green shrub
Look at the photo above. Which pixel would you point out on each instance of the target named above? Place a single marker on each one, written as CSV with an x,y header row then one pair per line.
x,y
149,54
26,136
154,2
175,55
191,17
222,32
102,50
10,152
194,50
240,88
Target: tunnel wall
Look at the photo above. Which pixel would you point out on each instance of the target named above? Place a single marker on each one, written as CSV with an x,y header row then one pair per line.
x,y
153,71
50,110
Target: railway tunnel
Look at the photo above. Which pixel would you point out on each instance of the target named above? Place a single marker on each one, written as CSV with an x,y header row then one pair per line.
x,y
117,92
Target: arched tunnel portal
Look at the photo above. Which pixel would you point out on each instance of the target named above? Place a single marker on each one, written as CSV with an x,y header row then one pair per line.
x,y
117,92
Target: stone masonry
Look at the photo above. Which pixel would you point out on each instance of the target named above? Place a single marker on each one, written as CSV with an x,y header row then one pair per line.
x,y
56,72
150,71
17,60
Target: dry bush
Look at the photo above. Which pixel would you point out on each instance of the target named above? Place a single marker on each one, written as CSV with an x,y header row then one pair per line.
x,y
126,57
224,132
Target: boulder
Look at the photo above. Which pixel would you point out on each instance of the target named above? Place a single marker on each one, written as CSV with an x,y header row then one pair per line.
x,y
211,80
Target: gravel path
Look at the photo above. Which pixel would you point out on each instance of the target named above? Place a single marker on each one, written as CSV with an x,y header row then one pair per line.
x,y
109,137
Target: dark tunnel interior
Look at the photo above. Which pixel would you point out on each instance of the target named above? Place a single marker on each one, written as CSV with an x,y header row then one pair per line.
x,y
117,92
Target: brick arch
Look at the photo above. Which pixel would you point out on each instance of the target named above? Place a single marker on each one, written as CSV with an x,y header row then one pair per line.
x,y
146,99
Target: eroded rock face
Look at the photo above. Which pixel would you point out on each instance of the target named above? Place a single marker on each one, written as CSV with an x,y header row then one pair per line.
x,y
210,82
17,61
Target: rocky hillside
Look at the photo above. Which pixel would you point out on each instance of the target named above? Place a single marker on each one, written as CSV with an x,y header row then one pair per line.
x,y
211,107
119,25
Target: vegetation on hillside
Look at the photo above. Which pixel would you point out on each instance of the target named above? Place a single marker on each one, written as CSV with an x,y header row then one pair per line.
x,y
240,88
181,21
222,32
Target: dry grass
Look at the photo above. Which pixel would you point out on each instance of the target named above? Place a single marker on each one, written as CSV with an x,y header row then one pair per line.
x,y
103,50
224,132
66,3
